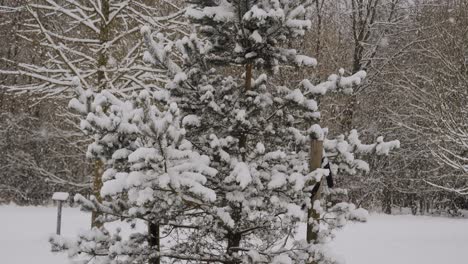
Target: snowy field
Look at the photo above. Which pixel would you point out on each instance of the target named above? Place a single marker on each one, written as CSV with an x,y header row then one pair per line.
x,y
383,240
404,239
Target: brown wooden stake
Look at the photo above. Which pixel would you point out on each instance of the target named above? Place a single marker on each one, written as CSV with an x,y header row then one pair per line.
x,y
316,150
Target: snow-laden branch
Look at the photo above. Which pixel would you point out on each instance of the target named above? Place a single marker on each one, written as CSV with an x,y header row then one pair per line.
x,y
461,191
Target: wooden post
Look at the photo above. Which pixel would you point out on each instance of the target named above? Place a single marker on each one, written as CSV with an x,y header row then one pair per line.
x,y
59,217
60,197
316,150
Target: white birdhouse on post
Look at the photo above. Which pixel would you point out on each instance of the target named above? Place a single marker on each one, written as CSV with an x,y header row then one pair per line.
x,y
60,197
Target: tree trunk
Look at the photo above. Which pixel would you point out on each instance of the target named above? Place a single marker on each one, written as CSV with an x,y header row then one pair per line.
x,y
104,37
98,169
348,113
387,201
248,76
318,7
153,241
234,240
247,87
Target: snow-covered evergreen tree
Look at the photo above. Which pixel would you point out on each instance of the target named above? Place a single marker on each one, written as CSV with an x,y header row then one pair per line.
x,y
152,176
256,132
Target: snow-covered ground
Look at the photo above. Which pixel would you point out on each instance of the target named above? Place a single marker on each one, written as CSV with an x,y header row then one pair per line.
x,y
24,233
384,239
404,239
